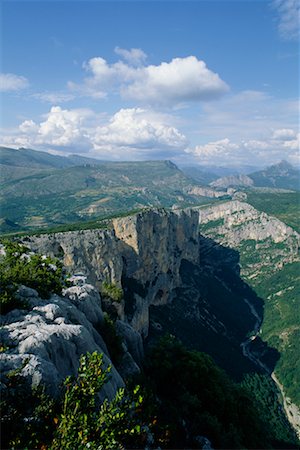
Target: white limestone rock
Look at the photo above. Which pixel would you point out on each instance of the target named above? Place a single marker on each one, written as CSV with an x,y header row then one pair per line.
x,y
52,336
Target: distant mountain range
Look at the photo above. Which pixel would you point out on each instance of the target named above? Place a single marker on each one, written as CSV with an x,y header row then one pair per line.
x,y
41,190
41,160
280,176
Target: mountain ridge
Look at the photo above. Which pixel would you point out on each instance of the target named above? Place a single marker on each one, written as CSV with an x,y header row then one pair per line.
x,y
281,175
49,196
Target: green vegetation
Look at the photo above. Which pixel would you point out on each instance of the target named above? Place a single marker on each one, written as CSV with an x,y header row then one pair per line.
x,y
98,223
266,399
18,266
31,419
284,206
211,224
112,292
281,325
18,404
82,425
45,191
277,284
196,398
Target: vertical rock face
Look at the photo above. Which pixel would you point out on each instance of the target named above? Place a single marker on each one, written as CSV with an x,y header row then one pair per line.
x,y
142,253
95,253
153,246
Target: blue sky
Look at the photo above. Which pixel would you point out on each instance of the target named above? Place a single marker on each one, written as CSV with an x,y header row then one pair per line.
x,y
200,82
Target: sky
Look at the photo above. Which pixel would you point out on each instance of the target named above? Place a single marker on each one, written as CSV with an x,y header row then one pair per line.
x,y
207,82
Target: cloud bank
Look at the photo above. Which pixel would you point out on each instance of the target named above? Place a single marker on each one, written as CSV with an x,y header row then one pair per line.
x,y
281,144
129,134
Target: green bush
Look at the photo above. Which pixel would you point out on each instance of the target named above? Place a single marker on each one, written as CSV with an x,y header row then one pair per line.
x,y
18,266
31,419
112,291
82,425
26,413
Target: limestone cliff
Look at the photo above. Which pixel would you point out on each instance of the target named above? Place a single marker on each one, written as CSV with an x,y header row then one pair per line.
x,y
146,249
251,223
158,259
141,253
238,225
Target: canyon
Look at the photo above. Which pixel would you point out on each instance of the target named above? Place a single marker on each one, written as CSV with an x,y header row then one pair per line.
x,y
173,280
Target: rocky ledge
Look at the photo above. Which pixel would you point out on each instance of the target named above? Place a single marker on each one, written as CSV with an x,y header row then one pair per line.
x,y
49,338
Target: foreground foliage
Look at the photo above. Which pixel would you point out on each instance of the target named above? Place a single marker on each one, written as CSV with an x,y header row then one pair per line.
x,y
184,400
19,266
31,419
84,425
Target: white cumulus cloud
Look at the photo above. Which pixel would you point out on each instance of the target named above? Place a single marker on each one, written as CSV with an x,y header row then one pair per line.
x,y
11,82
181,80
274,147
136,131
169,83
128,134
61,128
216,149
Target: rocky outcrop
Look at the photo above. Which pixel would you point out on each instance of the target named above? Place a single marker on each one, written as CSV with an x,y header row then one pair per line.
x,y
264,242
142,253
206,192
93,253
240,221
232,180
51,336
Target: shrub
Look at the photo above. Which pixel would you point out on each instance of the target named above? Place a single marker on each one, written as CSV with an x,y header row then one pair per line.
x,y
112,291
82,425
31,419
18,266
26,414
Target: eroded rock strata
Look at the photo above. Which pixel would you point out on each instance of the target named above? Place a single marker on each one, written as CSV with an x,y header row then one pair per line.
x,y
174,280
